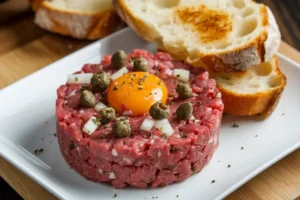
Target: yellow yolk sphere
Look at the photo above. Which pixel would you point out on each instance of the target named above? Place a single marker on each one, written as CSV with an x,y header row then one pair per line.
x,y
136,91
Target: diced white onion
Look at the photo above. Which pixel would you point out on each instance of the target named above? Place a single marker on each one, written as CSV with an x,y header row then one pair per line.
x,y
119,73
91,125
159,154
127,160
99,106
165,126
169,72
112,175
72,93
194,119
182,74
219,95
114,152
100,170
80,78
127,112
147,124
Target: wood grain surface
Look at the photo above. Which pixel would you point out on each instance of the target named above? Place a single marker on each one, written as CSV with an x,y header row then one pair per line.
x,y
24,49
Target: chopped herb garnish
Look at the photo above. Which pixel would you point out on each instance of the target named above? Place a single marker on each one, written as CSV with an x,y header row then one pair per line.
x,y
213,181
229,166
178,75
102,136
38,151
140,87
115,88
54,134
72,146
171,103
198,103
283,113
156,73
164,136
193,169
182,135
135,161
124,82
76,78
235,125
115,196
256,135
177,195
242,148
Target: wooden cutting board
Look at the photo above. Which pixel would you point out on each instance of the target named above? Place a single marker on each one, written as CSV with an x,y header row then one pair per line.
x,y
24,48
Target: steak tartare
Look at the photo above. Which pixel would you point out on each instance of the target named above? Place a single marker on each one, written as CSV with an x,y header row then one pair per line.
x,y
139,153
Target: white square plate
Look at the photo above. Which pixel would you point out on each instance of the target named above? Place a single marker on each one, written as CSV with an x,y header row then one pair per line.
x,y
27,116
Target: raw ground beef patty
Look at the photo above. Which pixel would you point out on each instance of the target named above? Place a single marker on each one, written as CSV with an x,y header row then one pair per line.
x,y
145,158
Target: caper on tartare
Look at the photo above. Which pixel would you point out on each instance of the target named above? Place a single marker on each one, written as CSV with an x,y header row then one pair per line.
x,y
183,90
87,99
118,59
100,81
184,111
121,128
140,65
159,111
107,114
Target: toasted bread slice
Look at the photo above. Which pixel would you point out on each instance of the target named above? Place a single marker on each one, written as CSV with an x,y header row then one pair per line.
x,y
256,91
224,36
88,19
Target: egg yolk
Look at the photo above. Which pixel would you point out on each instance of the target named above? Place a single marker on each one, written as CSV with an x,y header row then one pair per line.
x,y
137,92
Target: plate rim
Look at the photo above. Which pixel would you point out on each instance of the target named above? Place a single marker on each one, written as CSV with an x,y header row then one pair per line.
x,y
4,152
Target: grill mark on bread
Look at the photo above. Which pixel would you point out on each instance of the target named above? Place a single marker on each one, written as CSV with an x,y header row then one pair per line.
x,y
211,25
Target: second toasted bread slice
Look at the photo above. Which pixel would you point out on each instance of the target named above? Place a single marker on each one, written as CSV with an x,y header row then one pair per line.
x,y
224,36
256,91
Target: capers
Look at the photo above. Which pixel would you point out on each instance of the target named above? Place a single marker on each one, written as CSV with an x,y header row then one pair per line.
x,y
159,111
100,81
140,65
118,59
87,99
106,115
184,111
184,90
121,128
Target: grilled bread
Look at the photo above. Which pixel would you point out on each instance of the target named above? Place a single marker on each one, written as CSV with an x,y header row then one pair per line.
x,y
222,36
88,19
256,91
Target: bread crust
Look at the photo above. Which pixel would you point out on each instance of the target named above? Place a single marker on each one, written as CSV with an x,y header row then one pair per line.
x,y
262,103
79,25
257,50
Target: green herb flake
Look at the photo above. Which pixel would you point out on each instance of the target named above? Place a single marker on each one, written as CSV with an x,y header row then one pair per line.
x,y
54,134
235,125
283,114
164,136
115,196
242,148
256,135
213,181
229,166
76,78
178,75
140,87
177,196
115,88
38,151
